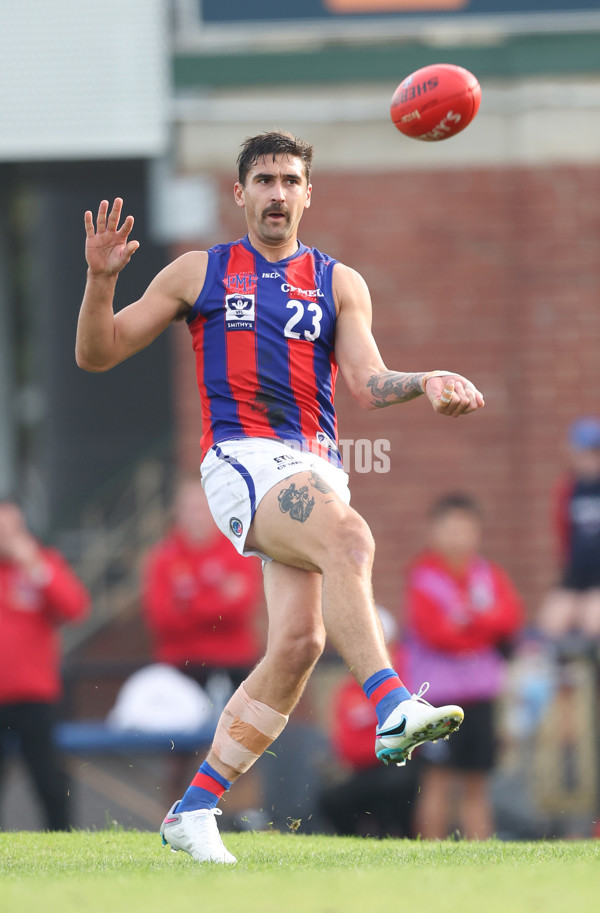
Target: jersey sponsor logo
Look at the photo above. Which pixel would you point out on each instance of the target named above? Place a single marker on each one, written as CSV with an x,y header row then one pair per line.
x,y
241,283
240,312
301,292
236,527
271,276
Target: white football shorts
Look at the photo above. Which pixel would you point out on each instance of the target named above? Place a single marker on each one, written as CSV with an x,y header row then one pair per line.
x,y
236,475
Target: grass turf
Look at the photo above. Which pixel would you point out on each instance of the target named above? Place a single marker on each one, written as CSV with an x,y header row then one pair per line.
x,y
113,871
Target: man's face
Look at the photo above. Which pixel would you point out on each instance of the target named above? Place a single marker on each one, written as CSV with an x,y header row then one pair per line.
x,y
274,197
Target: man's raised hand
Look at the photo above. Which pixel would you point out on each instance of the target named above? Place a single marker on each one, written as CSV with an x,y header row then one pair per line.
x,y
107,249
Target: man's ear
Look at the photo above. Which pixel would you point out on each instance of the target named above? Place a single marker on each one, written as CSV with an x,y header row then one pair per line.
x,y
238,194
308,196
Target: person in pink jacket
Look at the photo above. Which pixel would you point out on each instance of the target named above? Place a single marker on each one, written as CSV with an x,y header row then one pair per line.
x,y
461,609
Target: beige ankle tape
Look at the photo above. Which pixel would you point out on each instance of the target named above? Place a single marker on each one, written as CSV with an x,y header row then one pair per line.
x,y
245,730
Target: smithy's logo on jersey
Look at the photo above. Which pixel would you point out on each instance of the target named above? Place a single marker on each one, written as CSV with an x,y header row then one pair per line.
x,y
240,312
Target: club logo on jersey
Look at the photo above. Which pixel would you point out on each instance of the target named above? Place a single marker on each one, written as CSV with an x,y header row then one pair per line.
x,y
236,527
240,312
241,283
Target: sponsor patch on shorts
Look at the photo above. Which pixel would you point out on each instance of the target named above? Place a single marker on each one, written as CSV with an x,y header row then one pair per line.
x,y
236,526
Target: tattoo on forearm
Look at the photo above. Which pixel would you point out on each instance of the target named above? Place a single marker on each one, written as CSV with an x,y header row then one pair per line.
x,y
394,387
296,501
320,484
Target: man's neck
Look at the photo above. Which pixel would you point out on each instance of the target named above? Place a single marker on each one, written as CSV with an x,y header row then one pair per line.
x,y
277,250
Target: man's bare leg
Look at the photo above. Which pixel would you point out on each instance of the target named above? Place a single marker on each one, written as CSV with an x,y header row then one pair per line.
x,y
335,540
256,713
320,578
295,641
323,553
325,534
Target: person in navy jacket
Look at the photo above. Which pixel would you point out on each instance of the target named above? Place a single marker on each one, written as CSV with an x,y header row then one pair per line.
x,y
574,605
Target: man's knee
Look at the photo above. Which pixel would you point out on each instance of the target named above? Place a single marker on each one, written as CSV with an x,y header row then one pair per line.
x,y
350,543
299,649
310,646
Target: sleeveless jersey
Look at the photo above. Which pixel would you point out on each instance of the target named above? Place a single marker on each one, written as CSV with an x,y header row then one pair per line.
x,y
263,335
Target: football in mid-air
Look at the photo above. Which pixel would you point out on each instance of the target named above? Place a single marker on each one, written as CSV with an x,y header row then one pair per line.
x,y
436,102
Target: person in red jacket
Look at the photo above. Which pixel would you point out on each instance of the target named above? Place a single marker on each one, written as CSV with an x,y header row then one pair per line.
x,y
200,599
38,593
461,609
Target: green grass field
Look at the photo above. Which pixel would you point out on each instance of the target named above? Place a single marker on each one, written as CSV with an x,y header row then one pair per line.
x,y
113,871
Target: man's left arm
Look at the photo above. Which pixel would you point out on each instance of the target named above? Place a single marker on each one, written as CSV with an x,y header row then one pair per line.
x,y
371,383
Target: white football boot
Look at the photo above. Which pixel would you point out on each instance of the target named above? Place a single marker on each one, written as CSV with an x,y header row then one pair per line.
x,y
411,723
196,833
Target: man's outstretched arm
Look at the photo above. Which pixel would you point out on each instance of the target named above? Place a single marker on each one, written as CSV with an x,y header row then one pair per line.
x,y
104,339
363,369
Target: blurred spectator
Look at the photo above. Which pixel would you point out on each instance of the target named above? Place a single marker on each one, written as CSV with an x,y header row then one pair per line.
x,y
574,606
460,611
199,597
371,799
38,593
567,760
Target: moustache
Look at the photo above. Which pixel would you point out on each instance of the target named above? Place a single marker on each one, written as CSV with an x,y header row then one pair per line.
x,y
275,207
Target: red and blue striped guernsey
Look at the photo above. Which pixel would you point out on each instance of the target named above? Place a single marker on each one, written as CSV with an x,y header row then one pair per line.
x,y
263,334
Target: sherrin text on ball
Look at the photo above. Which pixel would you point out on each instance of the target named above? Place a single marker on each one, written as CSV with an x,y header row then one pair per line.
x,y
436,102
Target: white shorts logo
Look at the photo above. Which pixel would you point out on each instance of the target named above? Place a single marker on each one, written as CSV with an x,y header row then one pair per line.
x,y
240,312
236,526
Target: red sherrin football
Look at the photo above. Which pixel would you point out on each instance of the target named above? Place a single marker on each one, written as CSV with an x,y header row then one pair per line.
x,y
436,102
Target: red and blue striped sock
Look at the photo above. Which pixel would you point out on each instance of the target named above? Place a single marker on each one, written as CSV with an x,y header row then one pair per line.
x,y
205,790
385,691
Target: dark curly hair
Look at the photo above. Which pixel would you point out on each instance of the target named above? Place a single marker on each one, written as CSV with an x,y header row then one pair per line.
x,y
273,143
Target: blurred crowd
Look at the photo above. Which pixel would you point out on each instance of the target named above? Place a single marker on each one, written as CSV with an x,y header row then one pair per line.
x,y
523,764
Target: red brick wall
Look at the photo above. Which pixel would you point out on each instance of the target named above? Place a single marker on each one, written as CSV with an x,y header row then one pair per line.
x,y
493,273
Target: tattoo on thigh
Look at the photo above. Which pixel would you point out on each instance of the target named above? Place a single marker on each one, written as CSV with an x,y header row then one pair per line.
x,y
296,502
320,484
